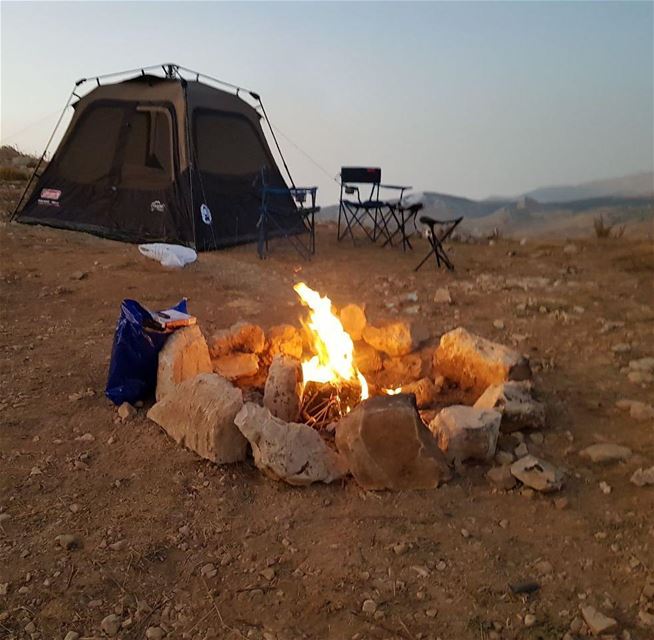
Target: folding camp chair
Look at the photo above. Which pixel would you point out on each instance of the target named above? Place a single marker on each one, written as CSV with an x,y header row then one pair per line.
x,y
358,212
436,240
285,212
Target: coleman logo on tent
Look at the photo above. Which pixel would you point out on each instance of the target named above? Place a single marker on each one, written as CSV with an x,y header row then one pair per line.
x,y
205,213
158,206
50,194
49,197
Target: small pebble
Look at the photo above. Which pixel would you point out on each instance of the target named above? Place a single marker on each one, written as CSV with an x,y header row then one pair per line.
x,y
369,607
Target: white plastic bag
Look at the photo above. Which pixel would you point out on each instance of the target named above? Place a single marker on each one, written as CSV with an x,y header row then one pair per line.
x,y
169,255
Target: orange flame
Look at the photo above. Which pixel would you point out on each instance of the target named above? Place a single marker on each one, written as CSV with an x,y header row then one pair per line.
x,y
334,359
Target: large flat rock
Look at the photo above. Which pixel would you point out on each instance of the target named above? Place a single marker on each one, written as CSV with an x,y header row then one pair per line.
x,y
538,474
514,401
288,451
387,446
199,414
476,363
184,356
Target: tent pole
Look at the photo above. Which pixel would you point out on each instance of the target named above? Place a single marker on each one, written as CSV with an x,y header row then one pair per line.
x,y
40,162
191,164
281,155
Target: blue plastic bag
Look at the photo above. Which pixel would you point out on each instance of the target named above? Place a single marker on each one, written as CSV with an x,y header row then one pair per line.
x,y
135,353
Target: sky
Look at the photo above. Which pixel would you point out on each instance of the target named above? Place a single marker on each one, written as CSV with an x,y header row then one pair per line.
x,y
472,99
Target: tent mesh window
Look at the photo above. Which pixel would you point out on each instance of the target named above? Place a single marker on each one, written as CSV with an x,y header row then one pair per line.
x,y
227,144
89,154
148,155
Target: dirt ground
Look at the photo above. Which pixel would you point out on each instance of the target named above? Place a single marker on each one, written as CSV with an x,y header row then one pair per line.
x,y
438,564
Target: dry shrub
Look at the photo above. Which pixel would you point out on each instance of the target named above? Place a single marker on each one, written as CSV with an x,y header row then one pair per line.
x,y
605,230
12,174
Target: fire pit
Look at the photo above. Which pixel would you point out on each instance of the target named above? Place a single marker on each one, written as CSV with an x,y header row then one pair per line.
x,y
299,399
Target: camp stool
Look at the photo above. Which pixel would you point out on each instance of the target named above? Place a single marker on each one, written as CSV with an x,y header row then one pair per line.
x,y
277,204
436,240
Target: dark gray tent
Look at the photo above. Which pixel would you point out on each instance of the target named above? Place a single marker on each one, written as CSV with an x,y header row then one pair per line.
x,y
160,158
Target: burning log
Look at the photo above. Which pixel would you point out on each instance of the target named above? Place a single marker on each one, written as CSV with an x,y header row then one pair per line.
x,y
327,402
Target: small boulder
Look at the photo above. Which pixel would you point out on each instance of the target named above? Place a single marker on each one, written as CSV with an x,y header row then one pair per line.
x,y
353,319
643,364
126,411
514,401
111,625
366,358
424,390
442,296
69,541
288,451
387,446
402,369
283,391
643,477
466,433
199,415
397,339
641,411
597,622
537,474
286,340
242,337
476,363
606,452
236,365
184,356
501,477
154,633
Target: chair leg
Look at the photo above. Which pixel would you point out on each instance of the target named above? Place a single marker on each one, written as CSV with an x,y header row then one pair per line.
x,y
433,250
444,257
262,245
338,229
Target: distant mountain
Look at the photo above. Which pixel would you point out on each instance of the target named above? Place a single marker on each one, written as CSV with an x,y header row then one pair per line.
x,y
550,210
633,186
438,205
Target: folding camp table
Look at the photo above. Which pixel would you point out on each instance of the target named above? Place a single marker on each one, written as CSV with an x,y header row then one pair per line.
x,y
402,215
436,240
278,203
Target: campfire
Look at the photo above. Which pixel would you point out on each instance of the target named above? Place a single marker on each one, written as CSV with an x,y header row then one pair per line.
x,y
298,399
332,385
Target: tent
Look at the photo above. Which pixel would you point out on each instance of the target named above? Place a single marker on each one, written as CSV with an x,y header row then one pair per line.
x,y
160,158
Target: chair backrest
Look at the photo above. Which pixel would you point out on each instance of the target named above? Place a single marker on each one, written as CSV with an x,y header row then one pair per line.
x,y
361,175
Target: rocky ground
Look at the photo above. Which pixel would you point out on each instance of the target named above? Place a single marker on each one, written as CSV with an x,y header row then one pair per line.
x,y
109,529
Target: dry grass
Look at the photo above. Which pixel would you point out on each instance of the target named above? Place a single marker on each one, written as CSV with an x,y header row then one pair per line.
x,y
13,174
605,230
